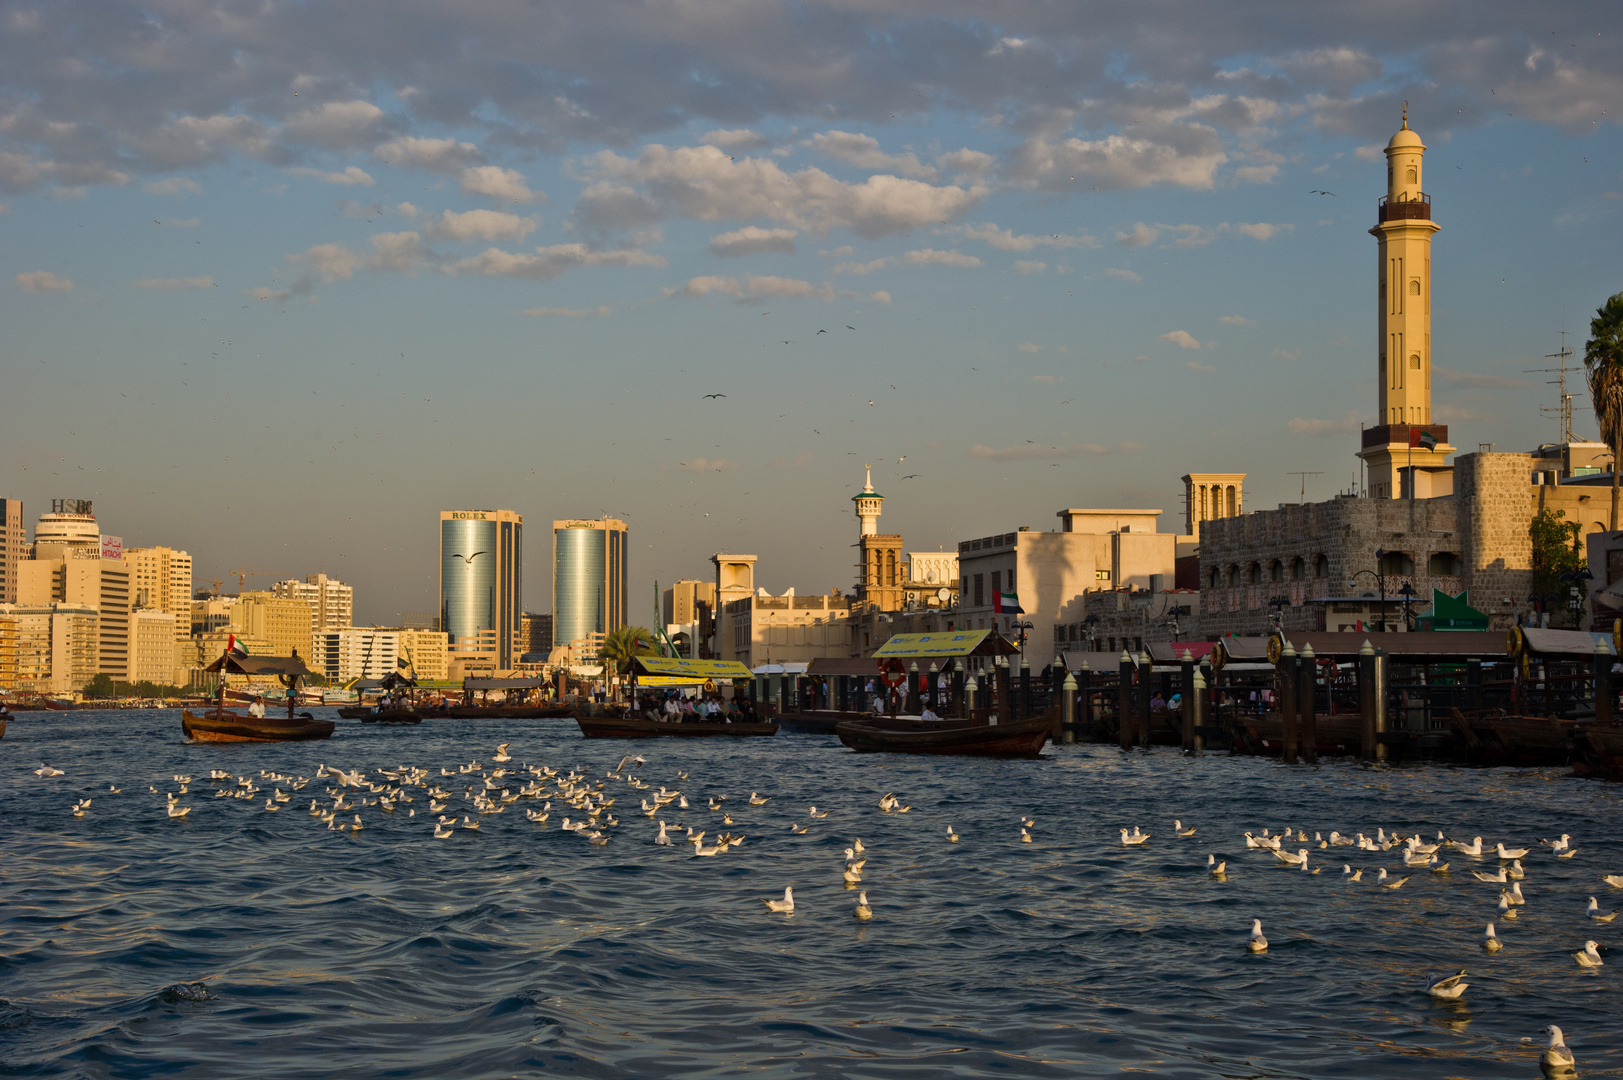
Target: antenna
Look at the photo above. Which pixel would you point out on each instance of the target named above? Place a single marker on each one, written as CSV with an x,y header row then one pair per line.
x,y
1304,475
1562,413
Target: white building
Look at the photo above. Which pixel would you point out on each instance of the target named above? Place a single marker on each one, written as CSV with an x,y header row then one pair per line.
x,y
358,652
152,646
933,568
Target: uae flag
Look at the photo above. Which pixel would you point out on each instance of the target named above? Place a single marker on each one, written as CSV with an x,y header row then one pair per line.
x,y
1422,438
1006,603
234,647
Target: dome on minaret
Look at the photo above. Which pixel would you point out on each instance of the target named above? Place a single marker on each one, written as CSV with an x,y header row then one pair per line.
x,y
1405,137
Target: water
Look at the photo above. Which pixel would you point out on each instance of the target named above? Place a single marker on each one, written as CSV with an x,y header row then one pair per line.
x,y
238,942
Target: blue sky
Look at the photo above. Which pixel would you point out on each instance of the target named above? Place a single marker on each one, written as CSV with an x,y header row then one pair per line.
x,y
281,282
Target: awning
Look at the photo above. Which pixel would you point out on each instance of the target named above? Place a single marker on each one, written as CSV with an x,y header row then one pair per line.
x,y
1171,652
798,668
1542,642
1096,661
534,683
261,665
1452,613
667,682
692,669
1421,647
949,643
1226,650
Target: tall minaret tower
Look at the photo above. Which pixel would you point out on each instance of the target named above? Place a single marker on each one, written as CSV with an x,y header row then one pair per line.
x,y
868,506
1403,232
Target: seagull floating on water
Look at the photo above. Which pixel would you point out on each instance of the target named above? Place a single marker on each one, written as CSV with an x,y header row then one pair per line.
x,y
1557,1058
1504,909
1135,838
1349,874
863,911
1508,854
952,837
46,770
816,813
1594,912
1447,987
1390,883
1215,868
1179,830
1258,943
1589,957
1490,940
786,905
501,753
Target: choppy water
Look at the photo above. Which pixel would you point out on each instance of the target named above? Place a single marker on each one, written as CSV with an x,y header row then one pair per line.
x,y
521,949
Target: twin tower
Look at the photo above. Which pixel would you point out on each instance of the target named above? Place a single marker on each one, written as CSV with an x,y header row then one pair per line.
x,y
1406,453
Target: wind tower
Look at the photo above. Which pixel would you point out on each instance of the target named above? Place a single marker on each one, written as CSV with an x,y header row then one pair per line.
x,y
881,581
1406,454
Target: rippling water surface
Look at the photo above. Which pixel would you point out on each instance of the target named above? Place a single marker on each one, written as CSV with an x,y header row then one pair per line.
x,y
239,942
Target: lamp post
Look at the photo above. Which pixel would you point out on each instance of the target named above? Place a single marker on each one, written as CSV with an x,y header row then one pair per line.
x,y
1276,610
1379,574
1407,592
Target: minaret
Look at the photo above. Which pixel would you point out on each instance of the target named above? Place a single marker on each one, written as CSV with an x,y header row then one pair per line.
x,y
1403,232
868,506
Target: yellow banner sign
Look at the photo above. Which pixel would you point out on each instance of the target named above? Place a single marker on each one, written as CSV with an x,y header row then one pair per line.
x,y
949,643
693,669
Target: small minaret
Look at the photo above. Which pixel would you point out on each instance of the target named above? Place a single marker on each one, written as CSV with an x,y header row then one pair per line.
x,y
868,506
1403,231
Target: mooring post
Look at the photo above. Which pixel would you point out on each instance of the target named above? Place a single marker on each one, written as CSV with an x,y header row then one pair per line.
x,y
1378,691
1366,700
1286,697
1186,691
1146,676
1084,702
1067,710
1197,705
1307,712
1025,687
970,687
1005,710
1604,658
913,687
1124,703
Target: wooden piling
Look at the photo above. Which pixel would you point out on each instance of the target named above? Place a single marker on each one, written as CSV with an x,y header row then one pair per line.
x,y
1146,673
1366,700
1307,710
1186,691
1377,689
1124,703
1067,710
1604,659
1285,695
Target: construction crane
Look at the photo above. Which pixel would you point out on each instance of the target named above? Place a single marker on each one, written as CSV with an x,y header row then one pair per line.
x,y
243,574
218,583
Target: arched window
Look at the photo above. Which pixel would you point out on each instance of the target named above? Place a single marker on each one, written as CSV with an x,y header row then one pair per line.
x,y
1234,576
1445,564
1217,577
1414,361
1233,502
1409,176
1414,287
1396,562
1298,568
1321,566
1276,571
1254,574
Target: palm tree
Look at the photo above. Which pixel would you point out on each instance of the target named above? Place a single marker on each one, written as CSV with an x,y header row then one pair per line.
x,y
619,646
1603,357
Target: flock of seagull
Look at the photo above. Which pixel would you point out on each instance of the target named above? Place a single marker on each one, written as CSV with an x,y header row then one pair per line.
x,y
491,788
1417,854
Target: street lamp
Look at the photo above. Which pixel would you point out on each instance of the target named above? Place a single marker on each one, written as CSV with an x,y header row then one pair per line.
x,y
1277,606
1379,574
1407,592
1023,627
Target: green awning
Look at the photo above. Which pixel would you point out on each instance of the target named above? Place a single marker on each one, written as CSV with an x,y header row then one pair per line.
x,y
1451,613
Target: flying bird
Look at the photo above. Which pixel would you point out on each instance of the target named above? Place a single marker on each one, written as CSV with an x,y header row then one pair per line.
x,y
1316,191
910,476
901,459
715,395
468,559
820,332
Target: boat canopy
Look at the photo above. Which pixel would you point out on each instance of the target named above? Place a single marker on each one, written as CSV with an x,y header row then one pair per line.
x,y
668,682
1541,642
392,681
691,669
533,683
1171,652
1096,661
232,664
790,668
948,643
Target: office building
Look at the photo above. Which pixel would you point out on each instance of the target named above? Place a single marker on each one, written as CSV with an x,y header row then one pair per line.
x,y
481,594
535,634
13,541
332,603
8,647
689,609
71,522
56,646
152,646
282,622
588,581
425,654
360,652
161,580
77,575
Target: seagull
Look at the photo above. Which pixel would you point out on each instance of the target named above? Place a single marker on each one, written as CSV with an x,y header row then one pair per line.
x,y
443,832
1557,1058
797,828
1025,837
1509,854
857,846
1516,896
1496,878
178,811
852,874
1179,830
1504,909
468,559
662,840
1316,191
709,396
1349,874
114,790
1515,873
1214,868
1395,883
1299,859
1559,845
467,822
501,753
1447,987
1490,940
1589,957
1135,838
786,905
756,800
1594,913
863,911
952,837
816,813
46,770
1614,880
1258,943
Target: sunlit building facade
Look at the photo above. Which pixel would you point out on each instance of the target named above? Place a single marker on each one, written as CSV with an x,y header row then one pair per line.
x,y
588,579
481,595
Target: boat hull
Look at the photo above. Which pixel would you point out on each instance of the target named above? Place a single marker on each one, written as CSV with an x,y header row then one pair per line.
x,y
231,727
1600,753
605,727
817,723
1020,739
509,712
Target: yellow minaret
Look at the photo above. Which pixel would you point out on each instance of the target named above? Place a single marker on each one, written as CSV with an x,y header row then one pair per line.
x,y
1405,432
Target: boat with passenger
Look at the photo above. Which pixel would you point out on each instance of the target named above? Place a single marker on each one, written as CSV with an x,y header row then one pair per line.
x,y
252,724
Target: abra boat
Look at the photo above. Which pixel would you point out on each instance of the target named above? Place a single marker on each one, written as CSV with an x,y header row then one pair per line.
x,y
221,725
509,712
609,727
973,738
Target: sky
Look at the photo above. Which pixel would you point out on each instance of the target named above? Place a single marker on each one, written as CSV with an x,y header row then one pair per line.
x,y
282,280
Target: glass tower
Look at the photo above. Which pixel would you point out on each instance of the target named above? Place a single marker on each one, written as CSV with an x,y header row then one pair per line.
x,y
588,579
481,552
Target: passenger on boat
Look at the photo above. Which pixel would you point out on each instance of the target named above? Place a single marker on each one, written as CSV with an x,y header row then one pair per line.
x,y
257,708
928,715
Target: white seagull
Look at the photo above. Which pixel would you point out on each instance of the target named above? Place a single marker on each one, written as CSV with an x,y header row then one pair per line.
x,y
1447,987
1594,912
1135,838
786,905
1557,1058
863,911
1215,868
1179,830
1490,940
1508,854
46,770
1589,957
1258,943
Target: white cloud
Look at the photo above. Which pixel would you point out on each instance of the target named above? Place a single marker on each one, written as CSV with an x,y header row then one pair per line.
x,y
930,256
706,465
1181,155
865,268
973,162
1196,365
1257,174
353,176
736,139
478,225
1045,453
570,313
1118,272
702,183
549,262
1141,236
1007,240
1347,425
1029,266
1235,320
1030,347
879,297
337,124
863,152
174,185
504,185
173,283
1262,230
754,240
433,155
42,281
750,286
1181,338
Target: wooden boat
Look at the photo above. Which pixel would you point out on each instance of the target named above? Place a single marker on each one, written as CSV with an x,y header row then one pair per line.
x,y
509,712
393,716
910,735
818,721
1333,736
222,726
2,727
1599,752
1499,739
609,727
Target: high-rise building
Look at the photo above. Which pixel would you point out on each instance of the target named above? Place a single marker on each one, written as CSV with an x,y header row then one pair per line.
x,y
76,574
13,539
1406,452
282,621
424,654
481,595
535,639
152,646
332,603
588,580
161,580
360,652
71,522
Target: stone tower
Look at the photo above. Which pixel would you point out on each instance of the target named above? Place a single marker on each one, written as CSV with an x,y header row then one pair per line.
x,y
868,501
882,569
1405,434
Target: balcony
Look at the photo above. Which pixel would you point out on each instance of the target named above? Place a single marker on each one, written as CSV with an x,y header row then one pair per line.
x,y
1412,209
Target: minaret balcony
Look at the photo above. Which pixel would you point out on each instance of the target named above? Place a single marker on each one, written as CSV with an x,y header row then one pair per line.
x,y
1413,209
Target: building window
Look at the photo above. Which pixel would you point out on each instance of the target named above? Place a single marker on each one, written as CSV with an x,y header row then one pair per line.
x,y
1216,577
1409,176
980,593
1396,562
1321,566
1276,572
1414,361
997,581
1254,575
1445,564
1234,576
1298,568
1414,287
